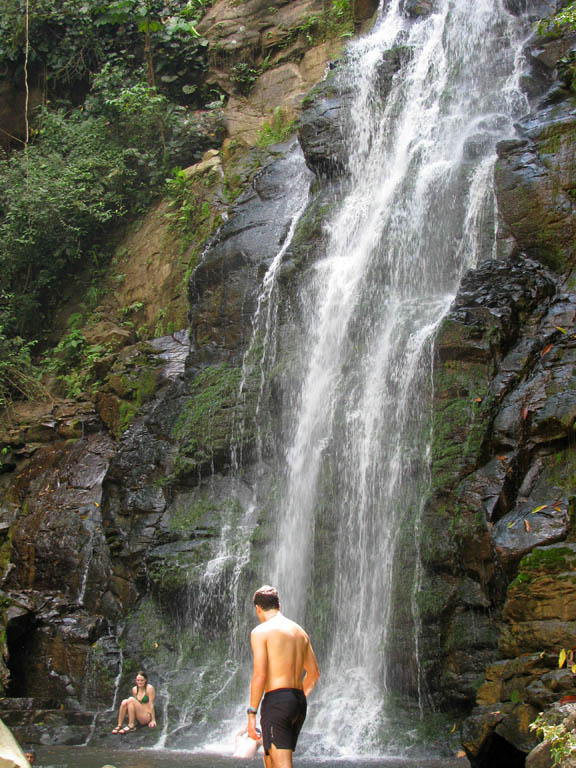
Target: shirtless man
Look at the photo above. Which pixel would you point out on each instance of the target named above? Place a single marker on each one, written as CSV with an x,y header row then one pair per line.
x,y
286,671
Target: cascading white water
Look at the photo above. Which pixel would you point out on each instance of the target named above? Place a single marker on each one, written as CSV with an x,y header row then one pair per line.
x,y
419,212
218,583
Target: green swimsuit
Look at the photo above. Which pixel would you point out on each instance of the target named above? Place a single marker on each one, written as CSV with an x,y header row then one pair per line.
x,y
143,700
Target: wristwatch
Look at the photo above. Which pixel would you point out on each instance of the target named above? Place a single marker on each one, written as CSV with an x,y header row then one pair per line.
x,y
251,711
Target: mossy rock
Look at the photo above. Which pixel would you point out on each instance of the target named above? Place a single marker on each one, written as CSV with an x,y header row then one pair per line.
x,y
206,428
132,382
545,561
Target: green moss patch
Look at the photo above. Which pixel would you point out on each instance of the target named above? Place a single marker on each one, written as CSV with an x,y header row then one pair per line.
x,y
544,561
205,428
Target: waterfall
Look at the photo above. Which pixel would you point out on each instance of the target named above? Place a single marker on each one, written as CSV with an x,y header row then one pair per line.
x,y
205,687
418,211
328,505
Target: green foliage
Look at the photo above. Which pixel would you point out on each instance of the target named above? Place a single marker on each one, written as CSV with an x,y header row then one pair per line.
x,y
136,112
55,198
564,19
19,377
277,131
84,171
73,362
142,117
552,26
71,347
335,20
244,76
194,9
64,43
562,742
136,306
70,39
191,216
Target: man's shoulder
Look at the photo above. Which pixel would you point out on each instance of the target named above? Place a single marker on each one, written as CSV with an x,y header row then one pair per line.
x,y
259,629
293,625
287,626
297,628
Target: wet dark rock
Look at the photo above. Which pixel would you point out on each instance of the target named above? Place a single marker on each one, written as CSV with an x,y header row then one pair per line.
x,y
141,738
559,714
325,117
539,613
364,9
418,8
544,53
224,287
392,62
476,146
512,728
534,182
538,9
55,598
503,461
522,529
320,131
172,351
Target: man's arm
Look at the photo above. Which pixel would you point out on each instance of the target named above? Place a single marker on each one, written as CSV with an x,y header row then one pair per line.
x,y
259,673
311,669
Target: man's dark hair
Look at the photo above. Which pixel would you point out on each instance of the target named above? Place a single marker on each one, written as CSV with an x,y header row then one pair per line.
x,y
267,598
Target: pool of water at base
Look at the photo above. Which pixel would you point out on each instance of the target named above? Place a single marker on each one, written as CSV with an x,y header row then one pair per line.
x,y
87,757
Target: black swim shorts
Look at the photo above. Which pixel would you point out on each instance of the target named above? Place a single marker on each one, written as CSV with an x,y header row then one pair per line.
x,y
282,717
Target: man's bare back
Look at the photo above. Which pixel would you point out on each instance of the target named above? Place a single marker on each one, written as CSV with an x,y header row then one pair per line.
x,y
287,648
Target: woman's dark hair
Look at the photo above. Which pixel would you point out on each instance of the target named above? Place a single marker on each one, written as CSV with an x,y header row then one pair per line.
x,y
142,674
267,598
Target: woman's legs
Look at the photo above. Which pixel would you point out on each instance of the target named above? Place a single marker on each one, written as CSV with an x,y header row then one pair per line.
x,y
122,712
137,712
131,713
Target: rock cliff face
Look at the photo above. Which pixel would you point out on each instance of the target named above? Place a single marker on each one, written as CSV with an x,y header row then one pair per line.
x,y
504,487
111,511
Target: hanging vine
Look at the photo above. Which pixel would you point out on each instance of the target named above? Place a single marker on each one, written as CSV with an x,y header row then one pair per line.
x,y
26,88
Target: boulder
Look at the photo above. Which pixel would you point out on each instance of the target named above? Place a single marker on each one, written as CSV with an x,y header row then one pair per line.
x,y
418,8
540,757
239,29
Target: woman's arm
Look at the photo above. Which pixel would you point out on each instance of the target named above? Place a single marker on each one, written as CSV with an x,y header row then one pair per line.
x,y
151,696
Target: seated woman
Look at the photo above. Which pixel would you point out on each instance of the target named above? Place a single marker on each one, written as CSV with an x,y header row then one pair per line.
x,y
139,708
